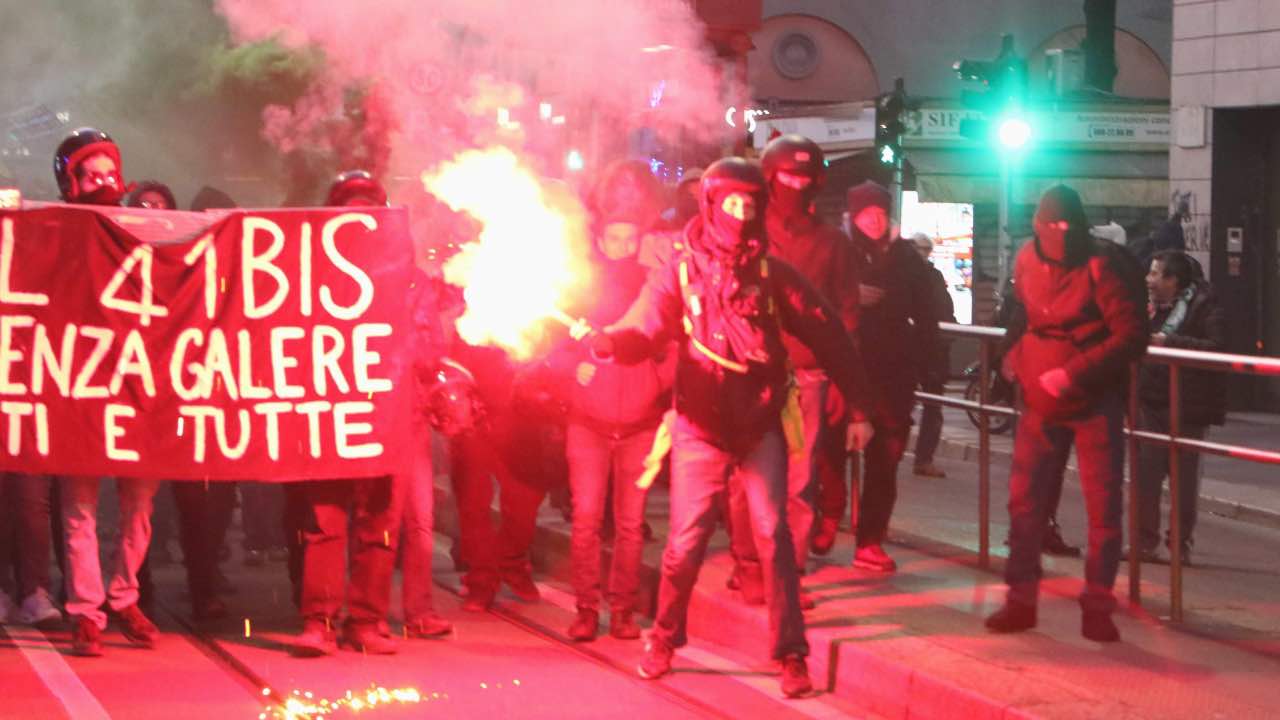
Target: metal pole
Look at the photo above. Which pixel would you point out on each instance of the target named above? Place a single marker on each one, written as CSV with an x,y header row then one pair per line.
x,y
1004,246
984,458
1131,443
1175,504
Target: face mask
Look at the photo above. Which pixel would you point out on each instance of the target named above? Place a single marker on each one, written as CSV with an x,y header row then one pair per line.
x,y
104,195
1052,239
791,194
735,228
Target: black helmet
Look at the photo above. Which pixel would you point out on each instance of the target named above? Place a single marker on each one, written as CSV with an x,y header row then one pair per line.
x,y
729,175
453,402
75,149
793,153
355,183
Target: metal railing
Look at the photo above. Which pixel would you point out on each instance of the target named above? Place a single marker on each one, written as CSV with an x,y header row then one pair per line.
x,y
1176,359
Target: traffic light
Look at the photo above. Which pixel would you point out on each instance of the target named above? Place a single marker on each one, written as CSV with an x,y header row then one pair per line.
x,y
889,126
1003,99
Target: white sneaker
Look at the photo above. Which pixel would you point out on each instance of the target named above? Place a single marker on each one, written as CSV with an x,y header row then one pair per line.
x,y
8,613
38,610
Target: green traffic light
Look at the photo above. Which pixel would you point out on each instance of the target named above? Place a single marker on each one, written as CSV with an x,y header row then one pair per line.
x,y
887,155
1013,133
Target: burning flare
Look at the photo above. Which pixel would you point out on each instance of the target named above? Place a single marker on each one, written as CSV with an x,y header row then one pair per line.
x,y
530,253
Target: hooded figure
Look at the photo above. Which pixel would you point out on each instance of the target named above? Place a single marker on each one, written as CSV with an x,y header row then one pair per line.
x,y
898,333
1083,328
726,306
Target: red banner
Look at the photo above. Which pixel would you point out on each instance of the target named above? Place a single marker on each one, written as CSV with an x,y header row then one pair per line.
x,y
261,345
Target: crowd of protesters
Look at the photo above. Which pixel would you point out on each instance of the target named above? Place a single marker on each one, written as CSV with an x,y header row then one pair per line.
x,y
729,328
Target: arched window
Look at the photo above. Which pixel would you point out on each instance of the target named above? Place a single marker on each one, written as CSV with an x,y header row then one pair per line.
x,y
1142,74
804,59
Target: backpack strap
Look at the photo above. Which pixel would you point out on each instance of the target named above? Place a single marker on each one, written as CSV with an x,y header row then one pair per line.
x,y
693,307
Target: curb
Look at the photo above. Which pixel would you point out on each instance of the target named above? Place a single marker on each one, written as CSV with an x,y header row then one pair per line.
x,y
1231,509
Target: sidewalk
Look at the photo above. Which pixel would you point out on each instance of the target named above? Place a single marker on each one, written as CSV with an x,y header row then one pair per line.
x,y
1232,488
913,645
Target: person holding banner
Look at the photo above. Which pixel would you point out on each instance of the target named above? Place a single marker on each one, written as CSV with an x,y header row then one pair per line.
x,y
87,168
356,518
727,305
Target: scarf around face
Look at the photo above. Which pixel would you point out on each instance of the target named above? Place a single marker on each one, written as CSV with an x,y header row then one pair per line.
x,y
734,300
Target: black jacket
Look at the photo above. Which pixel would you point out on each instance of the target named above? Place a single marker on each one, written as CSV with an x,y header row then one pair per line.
x,y
1204,392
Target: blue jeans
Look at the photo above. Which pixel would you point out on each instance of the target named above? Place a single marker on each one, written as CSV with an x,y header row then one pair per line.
x,y
597,462
700,475
1040,449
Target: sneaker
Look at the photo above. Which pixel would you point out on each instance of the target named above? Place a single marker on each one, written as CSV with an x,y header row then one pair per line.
x,y
795,677
255,558
1053,543
1012,618
929,470
623,626
86,638
522,586
657,659
317,639
428,626
478,600
365,638
38,610
585,626
825,538
1099,627
136,627
8,611
873,557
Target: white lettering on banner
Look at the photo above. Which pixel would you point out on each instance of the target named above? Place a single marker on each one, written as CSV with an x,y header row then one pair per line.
x,y
343,430
111,415
184,391
248,390
133,359
271,411
145,308
82,390
10,355
312,410
326,360
42,359
197,413
203,250
220,429
280,362
7,293
364,357
252,263
217,366
365,299
304,271
14,411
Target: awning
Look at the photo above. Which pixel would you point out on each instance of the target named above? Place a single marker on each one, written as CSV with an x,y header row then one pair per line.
x,y
1115,179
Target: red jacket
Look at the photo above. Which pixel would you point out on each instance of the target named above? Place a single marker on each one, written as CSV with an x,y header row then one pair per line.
x,y
1080,318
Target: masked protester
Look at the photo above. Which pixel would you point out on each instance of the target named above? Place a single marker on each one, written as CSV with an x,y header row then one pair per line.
x,y
794,169
151,195
87,168
1083,327
727,305
614,408
355,518
898,333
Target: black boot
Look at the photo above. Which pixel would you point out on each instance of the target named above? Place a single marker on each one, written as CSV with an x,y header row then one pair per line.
x,y
1012,618
1054,544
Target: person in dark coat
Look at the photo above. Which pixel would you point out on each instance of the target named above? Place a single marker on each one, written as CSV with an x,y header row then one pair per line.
x,y
936,375
614,408
1185,313
795,170
898,334
727,305
1083,329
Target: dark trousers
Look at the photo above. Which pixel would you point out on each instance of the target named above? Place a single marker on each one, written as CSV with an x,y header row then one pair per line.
x,y
1039,452
26,514
880,480
700,475
598,462
296,519
930,433
204,512
1153,468
478,459
261,506
360,518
